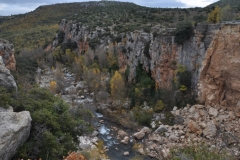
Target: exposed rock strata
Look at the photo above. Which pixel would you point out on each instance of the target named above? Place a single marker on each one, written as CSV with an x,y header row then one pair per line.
x,y
161,57
6,79
7,52
220,79
14,131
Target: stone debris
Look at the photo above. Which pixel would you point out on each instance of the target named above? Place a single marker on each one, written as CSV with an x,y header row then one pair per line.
x,y
217,128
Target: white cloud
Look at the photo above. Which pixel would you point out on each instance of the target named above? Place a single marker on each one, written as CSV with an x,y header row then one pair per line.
x,y
197,3
2,6
6,9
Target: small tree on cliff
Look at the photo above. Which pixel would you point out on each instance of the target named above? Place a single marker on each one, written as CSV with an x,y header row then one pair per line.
x,y
214,15
117,86
183,32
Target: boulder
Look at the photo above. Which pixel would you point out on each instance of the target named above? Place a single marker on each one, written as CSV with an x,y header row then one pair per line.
x,y
173,138
210,131
95,133
14,131
146,130
141,151
139,135
153,124
122,133
125,140
193,126
165,152
178,120
161,129
126,153
213,112
87,143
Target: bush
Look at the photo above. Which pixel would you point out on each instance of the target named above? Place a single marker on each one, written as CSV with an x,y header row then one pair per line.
x,y
184,77
5,98
54,129
159,106
61,35
199,152
183,32
143,116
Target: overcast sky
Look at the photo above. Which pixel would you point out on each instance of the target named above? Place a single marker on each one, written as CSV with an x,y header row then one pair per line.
x,y
8,7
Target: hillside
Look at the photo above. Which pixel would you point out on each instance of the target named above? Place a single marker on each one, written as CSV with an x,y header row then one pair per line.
x,y
222,3
37,28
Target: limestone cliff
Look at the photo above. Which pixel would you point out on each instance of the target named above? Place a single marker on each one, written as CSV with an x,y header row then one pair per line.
x,y
219,82
211,55
6,79
14,127
158,54
7,53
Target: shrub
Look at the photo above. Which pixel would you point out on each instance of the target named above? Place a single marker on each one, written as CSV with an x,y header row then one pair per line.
x,y
183,32
54,129
146,50
61,35
184,77
198,152
75,156
143,116
159,106
5,98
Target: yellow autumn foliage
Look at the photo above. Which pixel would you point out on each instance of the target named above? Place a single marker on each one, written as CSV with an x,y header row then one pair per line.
x,y
214,15
117,86
53,86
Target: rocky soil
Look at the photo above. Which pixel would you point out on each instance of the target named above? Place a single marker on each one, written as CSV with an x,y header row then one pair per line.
x,y
218,129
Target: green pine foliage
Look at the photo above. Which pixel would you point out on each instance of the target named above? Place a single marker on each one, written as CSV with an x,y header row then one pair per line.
x,y
54,129
37,28
183,32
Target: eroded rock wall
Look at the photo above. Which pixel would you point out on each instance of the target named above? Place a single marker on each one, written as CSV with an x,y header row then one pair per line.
x,y
7,53
211,54
219,82
6,79
161,56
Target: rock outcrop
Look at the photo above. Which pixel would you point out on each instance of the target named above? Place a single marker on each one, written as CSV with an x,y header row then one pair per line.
x,y
14,131
211,55
7,52
220,79
157,54
6,79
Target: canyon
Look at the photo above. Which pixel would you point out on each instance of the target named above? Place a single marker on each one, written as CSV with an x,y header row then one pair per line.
x,y
211,55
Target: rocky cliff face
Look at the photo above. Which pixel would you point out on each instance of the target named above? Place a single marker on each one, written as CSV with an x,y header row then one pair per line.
x,y
211,55
7,53
158,54
219,82
14,131
6,79
7,61
14,127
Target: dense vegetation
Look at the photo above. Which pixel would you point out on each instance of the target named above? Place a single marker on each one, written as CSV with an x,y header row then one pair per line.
x,y
235,4
183,32
37,28
55,125
199,152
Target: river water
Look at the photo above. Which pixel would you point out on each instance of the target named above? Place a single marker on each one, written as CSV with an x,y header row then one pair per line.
x,y
108,135
108,130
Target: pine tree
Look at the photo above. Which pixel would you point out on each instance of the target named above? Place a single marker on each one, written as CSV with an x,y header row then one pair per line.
x,y
214,15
